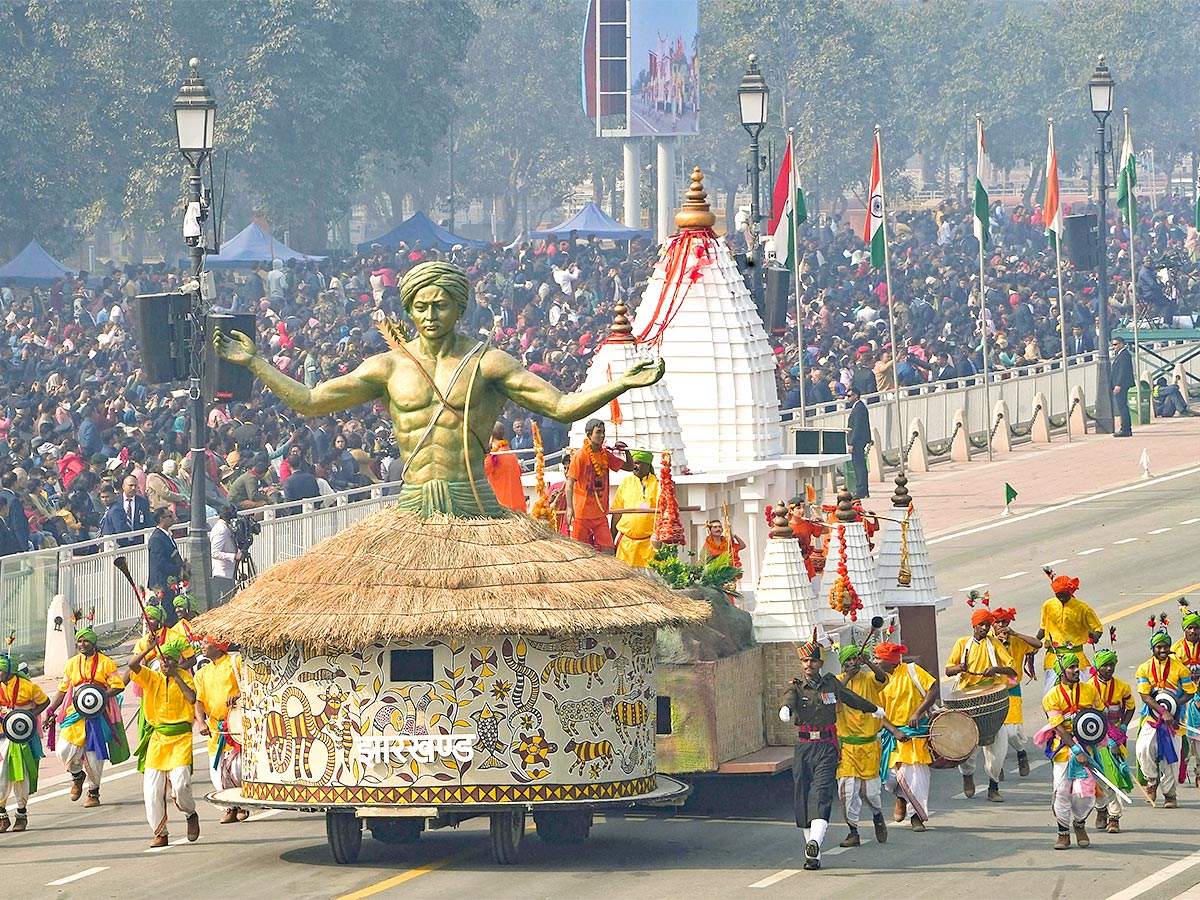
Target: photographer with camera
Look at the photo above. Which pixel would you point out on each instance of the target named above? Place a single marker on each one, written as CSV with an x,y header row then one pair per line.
x,y
225,553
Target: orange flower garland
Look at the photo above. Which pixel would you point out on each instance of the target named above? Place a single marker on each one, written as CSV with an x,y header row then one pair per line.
x,y
667,527
843,597
542,510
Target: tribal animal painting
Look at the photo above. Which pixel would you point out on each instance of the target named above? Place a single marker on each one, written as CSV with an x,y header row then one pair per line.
x,y
590,664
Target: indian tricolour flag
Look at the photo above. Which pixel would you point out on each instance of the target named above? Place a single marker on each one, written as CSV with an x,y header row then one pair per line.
x,y
1126,182
1052,212
873,231
788,210
982,208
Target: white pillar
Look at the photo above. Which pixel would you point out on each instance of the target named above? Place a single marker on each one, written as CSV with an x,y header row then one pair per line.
x,y
666,188
633,183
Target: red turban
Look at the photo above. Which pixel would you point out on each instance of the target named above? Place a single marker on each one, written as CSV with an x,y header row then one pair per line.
x,y
1003,615
890,653
981,616
1064,585
224,645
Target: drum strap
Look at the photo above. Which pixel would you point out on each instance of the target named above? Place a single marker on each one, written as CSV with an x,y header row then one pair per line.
x,y
912,673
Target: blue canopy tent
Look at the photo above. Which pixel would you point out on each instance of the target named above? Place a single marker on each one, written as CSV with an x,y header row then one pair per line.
x,y
253,244
31,266
419,227
592,221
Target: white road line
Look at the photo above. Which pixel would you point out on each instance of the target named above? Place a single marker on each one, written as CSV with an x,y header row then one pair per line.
x,y
105,780
1189,522
834,851
1125,541
1036,764
84,874
776,878
1162,875
1012,520
1013,575
974,587
1192,893
258,817
1089,552
1159,531
1055,562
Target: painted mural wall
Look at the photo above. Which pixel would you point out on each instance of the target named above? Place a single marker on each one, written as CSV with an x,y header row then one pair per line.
x,y
494,719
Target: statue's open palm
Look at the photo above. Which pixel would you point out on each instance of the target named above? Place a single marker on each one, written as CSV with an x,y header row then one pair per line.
x,y
644,373
235,347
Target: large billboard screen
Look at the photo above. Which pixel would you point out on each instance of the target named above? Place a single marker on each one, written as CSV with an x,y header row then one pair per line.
x,y
640,67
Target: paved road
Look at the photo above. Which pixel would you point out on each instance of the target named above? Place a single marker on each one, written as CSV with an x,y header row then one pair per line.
x,y
735,838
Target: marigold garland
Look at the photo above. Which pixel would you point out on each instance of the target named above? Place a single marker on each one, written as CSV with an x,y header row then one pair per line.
x,y
542,510
667,527
843,597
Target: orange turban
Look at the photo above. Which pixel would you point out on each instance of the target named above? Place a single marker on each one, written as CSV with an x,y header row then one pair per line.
x,y
224,645
890,653
1064,585
1000,614
981,616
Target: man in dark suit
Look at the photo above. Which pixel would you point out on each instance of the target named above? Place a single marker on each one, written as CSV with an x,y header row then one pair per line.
x,y
129,511
166,565
1079,341
860,436
1120,376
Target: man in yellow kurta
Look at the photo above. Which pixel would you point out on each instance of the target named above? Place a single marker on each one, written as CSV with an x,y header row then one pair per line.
x,y
858,739
638,491
1116,698
217,692
165,751
981,661
1021,647
1066,625
18,762
84,745
1071,803
1187,651
162,633
907,698
1158,743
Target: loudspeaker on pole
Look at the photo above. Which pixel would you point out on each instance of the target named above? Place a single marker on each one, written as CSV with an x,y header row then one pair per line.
x,y
224,380
163,332
1082,240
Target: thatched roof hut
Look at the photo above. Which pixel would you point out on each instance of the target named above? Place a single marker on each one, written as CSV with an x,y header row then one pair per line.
x,y
395,576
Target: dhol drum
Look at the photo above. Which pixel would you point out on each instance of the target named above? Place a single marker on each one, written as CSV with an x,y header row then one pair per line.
x,y
953,737
987,704
233,728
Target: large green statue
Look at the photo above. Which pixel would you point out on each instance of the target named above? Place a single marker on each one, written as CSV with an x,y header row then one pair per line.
x,y
444,392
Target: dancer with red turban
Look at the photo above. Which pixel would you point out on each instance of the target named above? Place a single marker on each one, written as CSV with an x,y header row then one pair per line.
x,y
907,698
1067,626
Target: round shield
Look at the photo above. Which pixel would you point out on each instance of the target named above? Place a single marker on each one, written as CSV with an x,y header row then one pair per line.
x,y
1168,701
19,726
1090,726
89,701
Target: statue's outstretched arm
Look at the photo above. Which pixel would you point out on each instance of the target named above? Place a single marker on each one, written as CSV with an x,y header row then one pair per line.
x,y
364,384
540,396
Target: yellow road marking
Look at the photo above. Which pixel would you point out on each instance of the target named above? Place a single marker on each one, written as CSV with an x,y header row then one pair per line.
x,y
395,880
1170,595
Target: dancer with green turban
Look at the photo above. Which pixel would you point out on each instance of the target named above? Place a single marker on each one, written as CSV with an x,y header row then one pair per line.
x,y
1187,651
18,761
634,505
1117,699
165,749
1158,739
84,745
1073,794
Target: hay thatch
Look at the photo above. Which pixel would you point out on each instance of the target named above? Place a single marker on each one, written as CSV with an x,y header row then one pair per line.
x,y
394,576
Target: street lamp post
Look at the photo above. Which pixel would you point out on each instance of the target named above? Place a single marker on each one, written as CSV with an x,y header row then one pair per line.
x,y
1100,91
195,121
752,101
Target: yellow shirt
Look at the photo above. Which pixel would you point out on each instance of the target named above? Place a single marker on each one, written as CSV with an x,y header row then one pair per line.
x,y
1170,674
979,656
97,668
1116,696
901,698
1067,624
1017,650
1188,654
1064,701
163,703
174,631
859,760
215,684
20,692
636,528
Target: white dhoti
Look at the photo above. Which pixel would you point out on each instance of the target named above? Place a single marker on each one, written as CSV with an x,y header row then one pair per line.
x,y
911,781
154,791
994,755
18,789
77,760
1157,771
228,772
851,791
1016,737
1069,807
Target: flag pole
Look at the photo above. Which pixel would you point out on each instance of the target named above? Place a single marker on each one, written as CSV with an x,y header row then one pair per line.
x,y
987,397
1052,159
887,280
1137,353
793,185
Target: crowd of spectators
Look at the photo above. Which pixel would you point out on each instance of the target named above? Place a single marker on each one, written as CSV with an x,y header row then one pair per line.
x,y
81,430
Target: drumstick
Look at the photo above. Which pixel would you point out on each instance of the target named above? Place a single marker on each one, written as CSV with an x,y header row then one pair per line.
x,y
122,566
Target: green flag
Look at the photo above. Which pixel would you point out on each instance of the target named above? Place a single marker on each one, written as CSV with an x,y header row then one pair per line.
x,y
1010,493
1126,182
